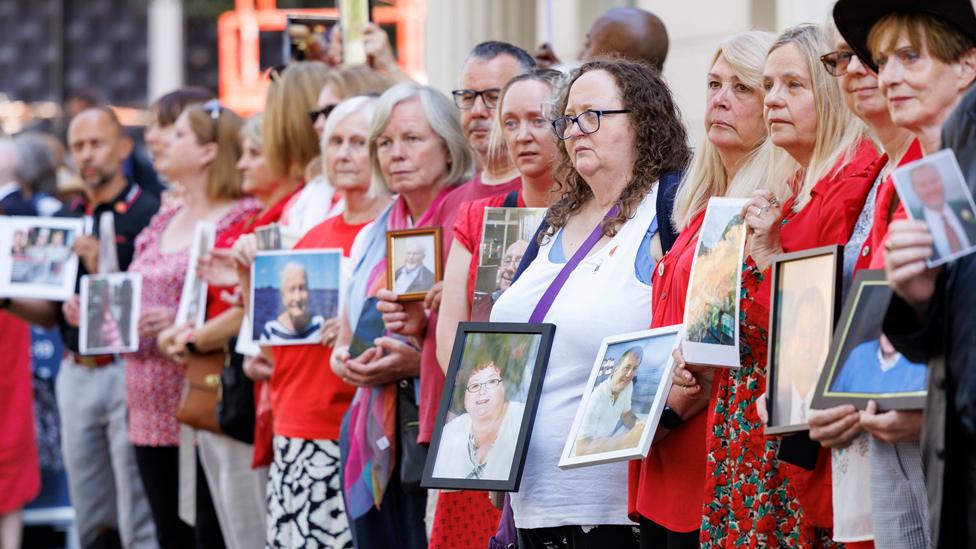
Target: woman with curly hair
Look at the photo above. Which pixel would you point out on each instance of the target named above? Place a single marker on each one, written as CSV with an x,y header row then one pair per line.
x,y
620,135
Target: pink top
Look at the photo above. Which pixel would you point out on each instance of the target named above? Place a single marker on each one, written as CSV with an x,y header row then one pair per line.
x,y
154,383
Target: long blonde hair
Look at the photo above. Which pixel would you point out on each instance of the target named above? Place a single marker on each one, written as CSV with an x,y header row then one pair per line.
x,y
838,130
290,141
746,54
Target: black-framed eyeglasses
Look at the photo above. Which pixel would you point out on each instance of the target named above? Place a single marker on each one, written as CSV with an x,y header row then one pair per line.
x,y
836,62
212,108
324,111
587,121
464,99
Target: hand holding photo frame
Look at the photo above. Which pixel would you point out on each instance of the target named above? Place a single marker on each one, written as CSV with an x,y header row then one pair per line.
x,y
623,400
712,306
36,260
110,307
488,406
293,293
862,364
803,308
413,262
933,189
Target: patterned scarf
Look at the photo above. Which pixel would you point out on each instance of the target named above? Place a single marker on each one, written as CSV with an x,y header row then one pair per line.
x,y
372,416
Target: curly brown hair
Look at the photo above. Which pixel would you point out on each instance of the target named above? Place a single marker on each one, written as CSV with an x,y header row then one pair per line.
x,y
662,144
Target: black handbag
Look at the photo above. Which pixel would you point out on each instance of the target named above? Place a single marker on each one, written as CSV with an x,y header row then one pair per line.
x,y
413,455
235,410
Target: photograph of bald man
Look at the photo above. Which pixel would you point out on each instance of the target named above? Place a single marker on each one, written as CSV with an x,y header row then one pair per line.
x,y
294,294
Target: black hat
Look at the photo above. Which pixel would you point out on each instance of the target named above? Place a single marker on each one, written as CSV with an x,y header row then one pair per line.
x,y
855,18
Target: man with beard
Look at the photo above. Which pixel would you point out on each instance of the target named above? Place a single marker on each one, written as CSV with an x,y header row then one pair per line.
x,y
295,324
108,498
609,409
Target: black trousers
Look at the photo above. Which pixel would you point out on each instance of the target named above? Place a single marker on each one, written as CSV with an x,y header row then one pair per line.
x,y
655,536
573,537
159,469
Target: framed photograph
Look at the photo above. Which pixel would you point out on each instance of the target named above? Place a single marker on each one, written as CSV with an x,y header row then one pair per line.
x,y
623,400
413,262
712,309
110,313
293,292
488,406
505,236
806,290
934,190
862,365
36,260
193,300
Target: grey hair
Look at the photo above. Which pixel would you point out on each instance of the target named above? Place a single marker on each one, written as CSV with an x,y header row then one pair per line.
x,y
9,160
251,130
442,116
37,169
365,106
486,51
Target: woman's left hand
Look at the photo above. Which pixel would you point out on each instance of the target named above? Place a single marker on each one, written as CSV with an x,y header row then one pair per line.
x,y
153,321
406,318
390,360
892,426
762,216
432,301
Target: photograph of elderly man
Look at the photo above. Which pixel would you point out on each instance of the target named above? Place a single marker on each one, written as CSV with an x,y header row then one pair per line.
x,y
609,423
413,276
296,321
950,218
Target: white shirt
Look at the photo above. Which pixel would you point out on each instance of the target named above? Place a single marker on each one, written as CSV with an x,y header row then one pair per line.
x,y
405,279
603,412
453,457
937,227
601,297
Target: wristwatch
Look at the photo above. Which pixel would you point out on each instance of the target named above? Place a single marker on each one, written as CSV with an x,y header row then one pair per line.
x,y
670,419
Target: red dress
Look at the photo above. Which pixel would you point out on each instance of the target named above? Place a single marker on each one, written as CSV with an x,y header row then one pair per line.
x,y
666,487
751,498
20,473
468,519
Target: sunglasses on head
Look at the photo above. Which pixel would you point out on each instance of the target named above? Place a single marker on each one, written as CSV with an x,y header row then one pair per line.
x,y
212,108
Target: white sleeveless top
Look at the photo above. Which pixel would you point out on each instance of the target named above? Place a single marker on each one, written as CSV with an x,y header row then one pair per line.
x,y
601,297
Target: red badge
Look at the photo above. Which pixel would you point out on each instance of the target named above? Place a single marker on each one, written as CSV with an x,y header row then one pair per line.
x,y
121,208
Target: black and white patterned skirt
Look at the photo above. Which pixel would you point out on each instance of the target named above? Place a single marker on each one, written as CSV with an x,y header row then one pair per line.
x,y
305,506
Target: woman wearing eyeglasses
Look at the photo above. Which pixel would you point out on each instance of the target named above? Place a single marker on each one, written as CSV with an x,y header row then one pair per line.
x,y
201,154
620,135
878,488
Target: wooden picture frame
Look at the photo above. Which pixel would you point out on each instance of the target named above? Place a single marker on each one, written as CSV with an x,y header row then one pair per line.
x,y
814,278
431,269
860,325
507,362
645,399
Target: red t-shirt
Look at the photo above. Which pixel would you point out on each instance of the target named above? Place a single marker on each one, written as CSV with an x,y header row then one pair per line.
x,y
469,225
666,487
431,375
828,218
307,399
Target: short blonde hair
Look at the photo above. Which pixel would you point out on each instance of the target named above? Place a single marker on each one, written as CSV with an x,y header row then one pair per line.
x,y
223,180
746,54
838,130
442,116
289,138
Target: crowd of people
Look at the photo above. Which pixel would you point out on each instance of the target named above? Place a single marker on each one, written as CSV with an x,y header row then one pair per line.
x,y
315,439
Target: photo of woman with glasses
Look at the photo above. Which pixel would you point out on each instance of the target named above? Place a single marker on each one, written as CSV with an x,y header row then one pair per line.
x,y
480,443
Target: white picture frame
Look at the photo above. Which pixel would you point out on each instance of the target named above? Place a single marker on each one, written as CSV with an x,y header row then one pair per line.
x,y
48,271
657,363
716,276
193,298
124,308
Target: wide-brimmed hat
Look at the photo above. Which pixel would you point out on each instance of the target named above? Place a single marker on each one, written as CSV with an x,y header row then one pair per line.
x,y
855,18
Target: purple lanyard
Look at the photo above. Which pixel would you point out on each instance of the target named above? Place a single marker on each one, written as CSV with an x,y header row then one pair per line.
x,y
545,302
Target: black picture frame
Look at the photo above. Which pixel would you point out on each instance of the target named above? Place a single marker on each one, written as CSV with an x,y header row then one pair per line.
x,y
531,388
776,319
861,317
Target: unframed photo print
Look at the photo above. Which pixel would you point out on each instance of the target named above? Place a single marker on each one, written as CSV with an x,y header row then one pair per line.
x,y
623,400
934,190
110,305
193,300
293,293
488,406
712,305
36,260
505,236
